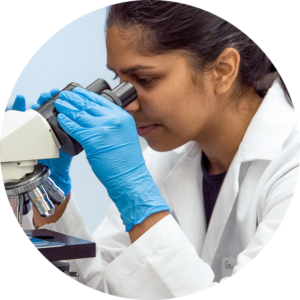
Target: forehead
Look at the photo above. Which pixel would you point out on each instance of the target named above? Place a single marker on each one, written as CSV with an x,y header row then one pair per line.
x,y
124,50
119,39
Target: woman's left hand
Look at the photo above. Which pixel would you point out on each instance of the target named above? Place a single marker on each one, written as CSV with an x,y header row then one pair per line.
x,y
108,135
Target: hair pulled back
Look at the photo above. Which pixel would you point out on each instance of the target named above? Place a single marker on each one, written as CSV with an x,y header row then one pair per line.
x,y
171,26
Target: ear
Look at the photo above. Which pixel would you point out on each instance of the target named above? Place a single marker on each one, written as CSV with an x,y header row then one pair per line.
x,y
226,70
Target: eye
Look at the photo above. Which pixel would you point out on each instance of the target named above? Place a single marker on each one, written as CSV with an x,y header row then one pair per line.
x,y
142,80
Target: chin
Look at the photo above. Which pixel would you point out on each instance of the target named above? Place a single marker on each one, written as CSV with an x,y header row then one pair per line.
x,y
162,140
163,145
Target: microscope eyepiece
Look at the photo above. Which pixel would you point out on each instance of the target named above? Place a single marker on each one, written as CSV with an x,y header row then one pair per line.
x,y
126,93
121,95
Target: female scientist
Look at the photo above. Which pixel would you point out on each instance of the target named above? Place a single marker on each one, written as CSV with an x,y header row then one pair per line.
x,y
221,166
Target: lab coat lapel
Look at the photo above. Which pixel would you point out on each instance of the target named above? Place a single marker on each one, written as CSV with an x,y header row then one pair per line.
x,y
263,140
222,210
183,184
184,190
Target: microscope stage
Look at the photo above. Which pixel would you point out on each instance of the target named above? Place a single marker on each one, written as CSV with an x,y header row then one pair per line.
x,y
58,246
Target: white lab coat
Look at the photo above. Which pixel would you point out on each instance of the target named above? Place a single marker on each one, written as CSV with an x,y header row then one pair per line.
x,y
179,255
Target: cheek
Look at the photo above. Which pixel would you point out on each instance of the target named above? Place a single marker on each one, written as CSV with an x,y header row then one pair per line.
x,y
179,125
184,112
179,109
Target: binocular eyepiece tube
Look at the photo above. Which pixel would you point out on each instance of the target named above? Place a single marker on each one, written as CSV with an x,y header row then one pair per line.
x,y
122,95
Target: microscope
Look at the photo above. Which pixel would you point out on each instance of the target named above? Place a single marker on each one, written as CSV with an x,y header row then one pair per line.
x,y
32,135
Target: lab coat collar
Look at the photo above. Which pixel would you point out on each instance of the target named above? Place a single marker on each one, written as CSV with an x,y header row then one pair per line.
x,y
185,148
269,127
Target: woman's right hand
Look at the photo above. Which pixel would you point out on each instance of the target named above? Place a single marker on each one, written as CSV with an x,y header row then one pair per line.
x,y
59,167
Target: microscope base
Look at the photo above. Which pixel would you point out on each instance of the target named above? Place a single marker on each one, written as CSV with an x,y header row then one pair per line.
x,y
65,267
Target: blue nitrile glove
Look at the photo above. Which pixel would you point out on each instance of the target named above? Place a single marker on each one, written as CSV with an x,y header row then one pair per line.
x,y
20,103
108,135
59,167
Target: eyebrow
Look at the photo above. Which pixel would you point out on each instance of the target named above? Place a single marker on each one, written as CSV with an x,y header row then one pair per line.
x,y
131,69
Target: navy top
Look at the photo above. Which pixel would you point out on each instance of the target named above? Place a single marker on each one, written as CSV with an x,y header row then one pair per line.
x,y
211,186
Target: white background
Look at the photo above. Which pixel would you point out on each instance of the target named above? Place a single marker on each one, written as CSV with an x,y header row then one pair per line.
x,y
76,53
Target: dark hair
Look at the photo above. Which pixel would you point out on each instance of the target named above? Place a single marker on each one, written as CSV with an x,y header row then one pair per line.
x,y
173,26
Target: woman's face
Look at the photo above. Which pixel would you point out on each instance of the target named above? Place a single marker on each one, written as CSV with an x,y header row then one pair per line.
x,y
170,109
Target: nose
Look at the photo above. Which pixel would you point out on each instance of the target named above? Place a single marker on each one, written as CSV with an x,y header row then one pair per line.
x,y
133,107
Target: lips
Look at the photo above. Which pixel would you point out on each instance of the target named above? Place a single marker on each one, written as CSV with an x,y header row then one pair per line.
x,y
144,130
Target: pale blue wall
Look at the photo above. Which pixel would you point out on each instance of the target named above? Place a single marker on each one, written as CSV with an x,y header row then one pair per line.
x,y
76,53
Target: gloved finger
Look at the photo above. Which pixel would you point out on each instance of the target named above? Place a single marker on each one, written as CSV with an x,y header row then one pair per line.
x,y
35,106
69,110
91,108
20,103
97,111
54,92
75,100
81,117
95,98
97,123
81,103
59,165
45,97
65,107
65,156
70,127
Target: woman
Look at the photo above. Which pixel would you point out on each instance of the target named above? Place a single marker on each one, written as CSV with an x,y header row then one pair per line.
x,y
223,154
